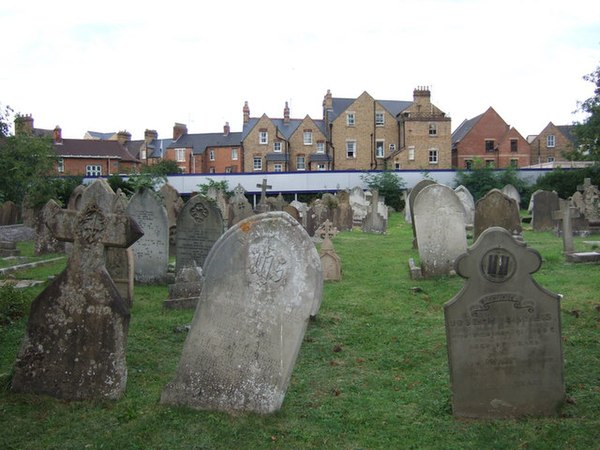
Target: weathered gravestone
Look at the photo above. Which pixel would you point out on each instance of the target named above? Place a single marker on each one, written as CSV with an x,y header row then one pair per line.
x,y
239,206
292,211
317,214
44,243
359,205
220,199
510,191
565,216
74,346
263,205
151,251
342,214
185,292
591,203
468,203
504,333
496,210
544,203
262,279
199,225
439,221
9,213
302,209
411,204
173,204
374,222
330,261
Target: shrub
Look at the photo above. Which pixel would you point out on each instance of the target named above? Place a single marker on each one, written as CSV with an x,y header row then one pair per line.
x,y
14,304
389,185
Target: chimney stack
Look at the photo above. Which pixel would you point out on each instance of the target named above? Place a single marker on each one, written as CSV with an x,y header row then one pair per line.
x,y
179,129
150,135
327,104
246,112
286,113
58,135
226,129
123,137
24,125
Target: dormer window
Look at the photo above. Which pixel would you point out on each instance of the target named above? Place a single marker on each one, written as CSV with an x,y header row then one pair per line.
x,y
433,129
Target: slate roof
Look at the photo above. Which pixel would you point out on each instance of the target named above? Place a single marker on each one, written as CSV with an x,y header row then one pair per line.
x,y
567,131
464,128
394,107
319,157
285,129
87,148
277,157
100,136
201,141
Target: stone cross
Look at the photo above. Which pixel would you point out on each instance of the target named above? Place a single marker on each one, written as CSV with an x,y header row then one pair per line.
x,y
263,187
327,231
587,182
565,214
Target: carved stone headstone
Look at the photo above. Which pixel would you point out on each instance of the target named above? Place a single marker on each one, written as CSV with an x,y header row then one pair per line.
x,y
220,199
185,292
199,225
468,203
565,216
151,251
292,212
591,201
510,191
173,204
302,209
544,203
317,214
439,221
343,215
45,242
411,204
239,206
374,222
330,261
9,213
261,280
263,206
74,347
504,333
496,210
359,204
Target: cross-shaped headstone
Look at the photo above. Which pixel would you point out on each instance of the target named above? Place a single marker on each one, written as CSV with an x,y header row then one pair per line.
x,y
326,232
263,190
565,214
587,182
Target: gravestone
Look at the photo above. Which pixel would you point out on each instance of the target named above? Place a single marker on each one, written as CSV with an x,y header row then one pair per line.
x,y
8,249
199,225
263,206
374,222
496,210
359,205
565,216
330,261
591,201
151,251
317,214
580,226
544,204
239,207
185,292
45,242
440,225
220,199
510,191
411,204
503,333
468,203
261,281
407,215
9,213
292,212
302,209
173,204
342,214
277,203
74,346
74,202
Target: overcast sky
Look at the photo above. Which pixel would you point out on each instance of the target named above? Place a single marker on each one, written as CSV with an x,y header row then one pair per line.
x,y
119,65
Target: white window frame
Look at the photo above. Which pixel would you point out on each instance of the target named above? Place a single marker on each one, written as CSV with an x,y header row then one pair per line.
x,y
60,165
300,162
434,156
277,146
256,163
320,146
392,148
211,170
397,165
234,154
143,153
180,154
228,170
351,149
380,148
350,119
550,141
277,167
321,167
93,170
379,118
550,158
263,137
411,153
211,155
307,136
433,131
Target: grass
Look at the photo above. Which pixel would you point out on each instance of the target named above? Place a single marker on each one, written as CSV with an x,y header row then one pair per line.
x,y
372,371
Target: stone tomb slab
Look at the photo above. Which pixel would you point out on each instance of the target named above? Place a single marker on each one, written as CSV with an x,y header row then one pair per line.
x,y
261,281
503,333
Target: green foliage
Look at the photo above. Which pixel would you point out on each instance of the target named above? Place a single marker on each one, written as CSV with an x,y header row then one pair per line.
x,y
565,181
389,184
162,168
5,114
219,185
146,180
25,163
14,304
117,182
587,133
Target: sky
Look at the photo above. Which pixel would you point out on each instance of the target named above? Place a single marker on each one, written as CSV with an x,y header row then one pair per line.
x,y
127,65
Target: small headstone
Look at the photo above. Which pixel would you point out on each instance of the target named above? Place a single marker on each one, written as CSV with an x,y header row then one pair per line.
x,y
151,251
374,222
185,292
263,206
302,209
510,191
496,210
44,243
9,213
414,192
439,221
342,214
220,199
74,347
504,333
591,202
239,207
544,204
330,261
565,215
8,248
359,205
317,214
199,225
468,203
261,281
173,204
292,212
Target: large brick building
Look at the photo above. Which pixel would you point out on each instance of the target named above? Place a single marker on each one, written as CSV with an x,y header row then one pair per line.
x,y
553,144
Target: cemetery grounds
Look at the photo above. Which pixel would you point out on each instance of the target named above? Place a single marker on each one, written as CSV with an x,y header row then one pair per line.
x,y
372,371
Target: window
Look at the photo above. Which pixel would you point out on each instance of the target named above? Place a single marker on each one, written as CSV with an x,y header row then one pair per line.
x,y
60,165
307,137
550,158
180,154
321,167
211,170
263,137
257,163
277,167
514,163
468,164
514,145
550,141
277,146
433,129
350,149
433,156
490,163
211,155
320,147
397,166
379,149
350,119
411,153
228,170
392,147
300,162
234,154
379,119
489,145
93,171
143,153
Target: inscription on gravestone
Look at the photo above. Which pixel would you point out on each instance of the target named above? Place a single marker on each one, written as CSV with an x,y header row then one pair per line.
x,y
504,333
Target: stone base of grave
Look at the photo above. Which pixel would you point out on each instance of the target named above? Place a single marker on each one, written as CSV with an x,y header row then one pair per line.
x,y
583,257
414,270
181,303
185,292
8,248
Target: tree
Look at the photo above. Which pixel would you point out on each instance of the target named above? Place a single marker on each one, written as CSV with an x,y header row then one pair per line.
x,y
163,167
587,133
389,185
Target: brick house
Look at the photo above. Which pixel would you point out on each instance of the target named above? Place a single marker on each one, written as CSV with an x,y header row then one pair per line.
x,y
489,138
284,145
84,156
552,144
369,134
205,152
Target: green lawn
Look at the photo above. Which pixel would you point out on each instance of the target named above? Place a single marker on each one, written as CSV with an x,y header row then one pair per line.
x,y
372,371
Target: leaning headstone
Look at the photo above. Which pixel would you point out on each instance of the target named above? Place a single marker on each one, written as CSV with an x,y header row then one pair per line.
x,y
75,197
374,222
74,347
173,204
292,212
468,203
544,204
302,209
239,207
496,210
185,292
199,225
151,251
261,281
414,192
510,191
330,261
440,225
504,333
